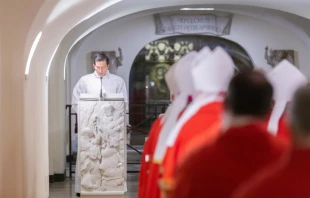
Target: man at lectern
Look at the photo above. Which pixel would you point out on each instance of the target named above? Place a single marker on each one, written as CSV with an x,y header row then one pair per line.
x,y
97,83
91,83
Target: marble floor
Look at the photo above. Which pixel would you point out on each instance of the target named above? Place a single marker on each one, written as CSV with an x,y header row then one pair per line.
x,y
66,189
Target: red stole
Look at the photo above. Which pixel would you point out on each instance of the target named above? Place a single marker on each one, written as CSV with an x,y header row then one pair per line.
x,y
195,132
148,152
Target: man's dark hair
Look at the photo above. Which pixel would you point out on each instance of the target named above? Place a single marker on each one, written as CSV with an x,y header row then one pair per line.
x,y
98,57
249,94
300,110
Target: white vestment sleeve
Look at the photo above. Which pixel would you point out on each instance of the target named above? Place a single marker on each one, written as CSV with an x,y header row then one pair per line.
x,y
122,89
79,88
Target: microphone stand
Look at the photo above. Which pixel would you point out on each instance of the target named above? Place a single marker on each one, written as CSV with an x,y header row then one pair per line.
x,y
101,98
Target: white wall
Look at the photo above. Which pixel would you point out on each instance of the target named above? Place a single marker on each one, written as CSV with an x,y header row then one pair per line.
x,y
131,35
57,130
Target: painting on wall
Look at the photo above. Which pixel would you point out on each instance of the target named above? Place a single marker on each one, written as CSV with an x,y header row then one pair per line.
x,y
274,57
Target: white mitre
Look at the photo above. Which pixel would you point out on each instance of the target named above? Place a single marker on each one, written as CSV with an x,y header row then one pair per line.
x,y
214,74
177,105
171,80
285,79
173,87
183,71
202,55
210,77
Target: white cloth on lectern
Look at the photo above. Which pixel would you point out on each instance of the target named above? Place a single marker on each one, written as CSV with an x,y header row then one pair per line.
x,y
91,84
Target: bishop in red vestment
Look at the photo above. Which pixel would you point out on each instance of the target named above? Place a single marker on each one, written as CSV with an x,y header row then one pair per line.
x,y
199,125
202,119
285,79
242,150
290,177
151,188
286,179
175,110
147,154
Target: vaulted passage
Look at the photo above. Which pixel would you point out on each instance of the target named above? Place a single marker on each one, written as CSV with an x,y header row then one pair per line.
x,y
46,48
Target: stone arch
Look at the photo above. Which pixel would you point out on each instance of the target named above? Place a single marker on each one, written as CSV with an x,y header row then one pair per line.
x,y
146,81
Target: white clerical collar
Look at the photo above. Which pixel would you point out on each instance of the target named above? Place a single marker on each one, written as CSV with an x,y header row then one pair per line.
x,y
107,74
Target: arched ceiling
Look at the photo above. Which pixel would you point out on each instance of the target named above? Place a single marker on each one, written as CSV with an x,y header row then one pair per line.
x,y
128,8
99,19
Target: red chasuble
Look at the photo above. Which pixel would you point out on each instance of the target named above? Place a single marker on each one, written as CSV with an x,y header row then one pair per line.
x,y
151,187
207,137
146,159
155,170
216,170
195,132
287,179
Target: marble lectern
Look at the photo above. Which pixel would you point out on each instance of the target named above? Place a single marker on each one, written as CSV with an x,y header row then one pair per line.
x,y
102,146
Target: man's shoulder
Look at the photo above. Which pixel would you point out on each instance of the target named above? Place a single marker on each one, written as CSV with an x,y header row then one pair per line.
x,y
87,76
118,78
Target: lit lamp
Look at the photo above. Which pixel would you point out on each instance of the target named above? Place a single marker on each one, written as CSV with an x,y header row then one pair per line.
x,y
177,48
162,51
148,47
190,46
161,47
161,58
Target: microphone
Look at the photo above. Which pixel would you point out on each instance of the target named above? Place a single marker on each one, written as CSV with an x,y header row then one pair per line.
x,y
101,89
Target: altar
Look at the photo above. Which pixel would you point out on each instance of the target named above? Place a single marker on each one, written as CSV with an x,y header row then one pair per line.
x,y
102,146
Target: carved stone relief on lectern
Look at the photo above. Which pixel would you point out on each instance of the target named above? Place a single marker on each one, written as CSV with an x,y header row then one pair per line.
x,y
102,146
115,61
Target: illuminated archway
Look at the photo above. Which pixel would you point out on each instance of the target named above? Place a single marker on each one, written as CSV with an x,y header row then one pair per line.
x,y
147,84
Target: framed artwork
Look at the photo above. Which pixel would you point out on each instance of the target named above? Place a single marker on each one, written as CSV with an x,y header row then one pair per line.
x,y
274,57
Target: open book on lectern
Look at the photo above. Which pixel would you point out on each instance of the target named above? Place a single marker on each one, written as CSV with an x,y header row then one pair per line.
x,y
106,97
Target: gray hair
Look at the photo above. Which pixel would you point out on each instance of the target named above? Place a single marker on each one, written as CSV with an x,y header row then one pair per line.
x,y
300,111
